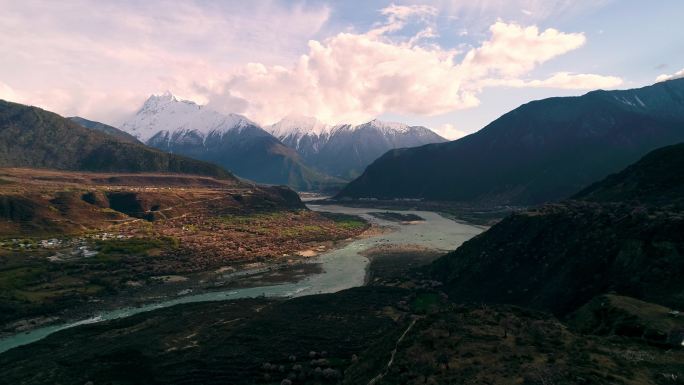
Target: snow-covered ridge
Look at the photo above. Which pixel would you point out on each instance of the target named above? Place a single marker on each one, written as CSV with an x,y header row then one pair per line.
x,y
166,112
388,126
300,126
172,124
168,116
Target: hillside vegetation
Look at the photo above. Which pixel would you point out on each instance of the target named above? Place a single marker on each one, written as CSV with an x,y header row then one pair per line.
x,y
32,137
107,129
624,234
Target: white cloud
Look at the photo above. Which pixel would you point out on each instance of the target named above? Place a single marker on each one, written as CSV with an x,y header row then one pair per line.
x,y
101,59
513,50
398,15
563,80
449,131
566,80
7,93
478,11
676,75
353,77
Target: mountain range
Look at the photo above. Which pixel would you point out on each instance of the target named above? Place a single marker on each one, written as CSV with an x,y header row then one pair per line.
x,y
32,137
232,141
297,151
541,151
344,150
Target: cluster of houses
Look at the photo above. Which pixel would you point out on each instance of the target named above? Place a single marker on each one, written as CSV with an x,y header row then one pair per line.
x,y
70,248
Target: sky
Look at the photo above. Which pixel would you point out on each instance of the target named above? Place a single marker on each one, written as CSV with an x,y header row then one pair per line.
x,y
453,66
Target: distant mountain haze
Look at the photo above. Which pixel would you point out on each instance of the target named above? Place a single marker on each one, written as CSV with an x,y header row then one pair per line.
x,y
541,151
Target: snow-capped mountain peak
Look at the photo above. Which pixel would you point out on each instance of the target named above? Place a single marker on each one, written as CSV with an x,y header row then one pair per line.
x,y
344,150
169,113
388,126
166,95
172,124
158,100
297,125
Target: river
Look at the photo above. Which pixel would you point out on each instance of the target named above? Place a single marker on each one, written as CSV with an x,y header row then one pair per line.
x,y
342,268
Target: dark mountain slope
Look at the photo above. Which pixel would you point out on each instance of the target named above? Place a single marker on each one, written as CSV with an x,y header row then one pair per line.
x,y
107,129
345,338
32,137
541,151
249,152
561,255
656,179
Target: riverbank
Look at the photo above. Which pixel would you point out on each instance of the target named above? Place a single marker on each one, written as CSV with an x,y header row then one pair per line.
x,y
290,268
485,216
73,242
360,335
390,264
338,268
61,279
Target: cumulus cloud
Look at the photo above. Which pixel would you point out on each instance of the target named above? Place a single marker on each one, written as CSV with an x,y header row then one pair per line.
x,y
513,50
677,75
352,77
101,59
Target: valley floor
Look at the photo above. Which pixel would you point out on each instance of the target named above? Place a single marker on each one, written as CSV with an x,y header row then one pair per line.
x,y
484,216
410,238
79,242
400,328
